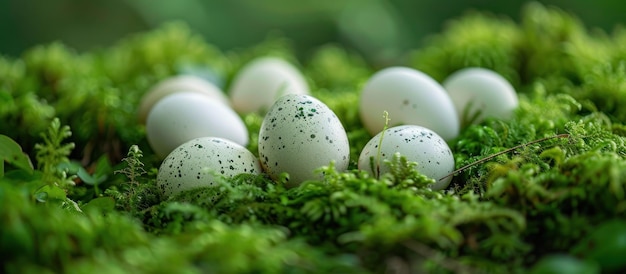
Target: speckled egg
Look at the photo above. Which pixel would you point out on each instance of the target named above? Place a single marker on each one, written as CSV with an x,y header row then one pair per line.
x,y
180,117
259,83
418,144
411,98
197,162
481,91
175,84
300,134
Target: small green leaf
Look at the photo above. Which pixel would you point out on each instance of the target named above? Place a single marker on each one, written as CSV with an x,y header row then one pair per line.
x,y
96,179
71,168
12,153
103,169
561,263
103,166
50,192
41,196
75,168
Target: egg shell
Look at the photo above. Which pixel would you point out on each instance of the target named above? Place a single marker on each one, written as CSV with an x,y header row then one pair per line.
x,y
300,134
482,90
197,162
180,117
175,84
418,144
259,83
411,98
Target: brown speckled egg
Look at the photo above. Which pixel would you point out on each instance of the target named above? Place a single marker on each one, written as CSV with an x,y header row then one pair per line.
x,y
418,144
197,162
300,134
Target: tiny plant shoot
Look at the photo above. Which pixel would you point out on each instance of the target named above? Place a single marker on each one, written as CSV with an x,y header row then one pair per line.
x,y
376,169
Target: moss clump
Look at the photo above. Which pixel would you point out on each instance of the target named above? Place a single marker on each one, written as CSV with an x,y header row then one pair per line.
x,y
476,40
526,209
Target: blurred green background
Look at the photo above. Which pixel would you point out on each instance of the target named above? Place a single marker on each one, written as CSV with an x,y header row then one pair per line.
x,y
381,30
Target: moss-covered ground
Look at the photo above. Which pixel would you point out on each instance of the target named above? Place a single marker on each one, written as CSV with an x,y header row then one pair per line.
x,y
88,203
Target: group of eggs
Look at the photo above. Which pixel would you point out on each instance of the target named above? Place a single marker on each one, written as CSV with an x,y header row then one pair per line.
x,y
198,130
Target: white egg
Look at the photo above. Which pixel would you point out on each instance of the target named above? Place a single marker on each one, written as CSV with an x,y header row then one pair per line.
x,y
180,117
197,162
418,144
481,90
175,84
411,98
259,83
300,134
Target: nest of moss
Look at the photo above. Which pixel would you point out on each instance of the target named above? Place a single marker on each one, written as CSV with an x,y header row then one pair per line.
x,y
89,203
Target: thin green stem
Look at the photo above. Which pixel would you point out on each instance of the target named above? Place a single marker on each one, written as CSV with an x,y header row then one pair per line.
x,y
380,143
564,135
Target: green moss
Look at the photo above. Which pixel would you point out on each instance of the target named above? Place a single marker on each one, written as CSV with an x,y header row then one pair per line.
x,y
556,43
557,174
475,40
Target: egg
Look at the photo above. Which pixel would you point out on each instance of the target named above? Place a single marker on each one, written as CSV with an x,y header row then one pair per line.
x,y
259,83
482,93
180,117
197,162
411,98
180,83
418,144
300,134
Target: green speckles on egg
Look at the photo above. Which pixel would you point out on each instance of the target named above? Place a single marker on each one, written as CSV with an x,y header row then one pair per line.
x,y
195,163
417,144
290,139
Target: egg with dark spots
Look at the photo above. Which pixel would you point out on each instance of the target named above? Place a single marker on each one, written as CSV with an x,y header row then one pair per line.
x,y
196,163
418,144
300,134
